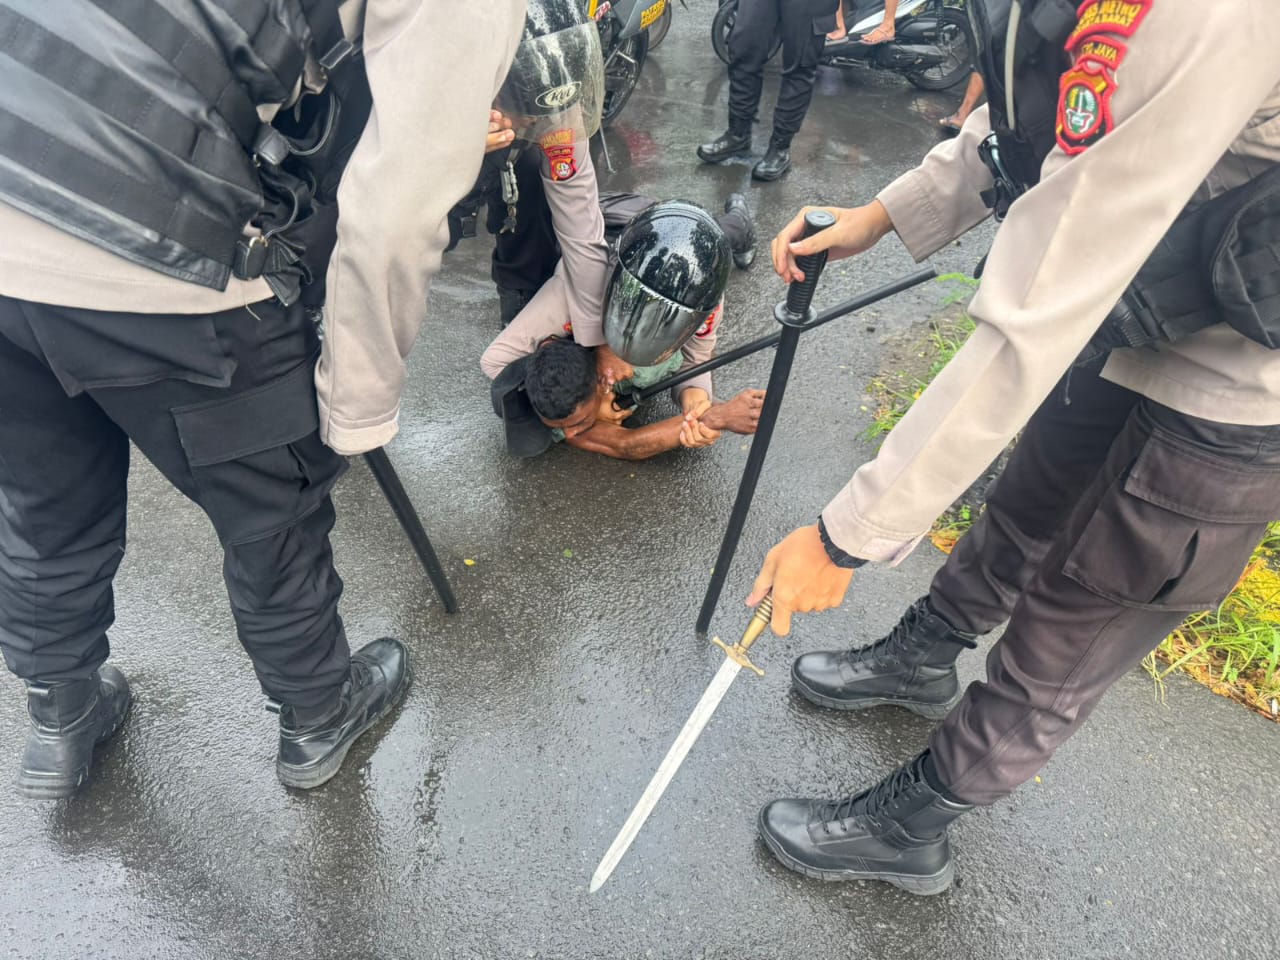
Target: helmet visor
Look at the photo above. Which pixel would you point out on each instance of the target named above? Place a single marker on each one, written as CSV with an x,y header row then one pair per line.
x,y
556,82
642,327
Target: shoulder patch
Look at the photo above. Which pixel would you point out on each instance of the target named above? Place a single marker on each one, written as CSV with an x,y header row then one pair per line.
x,y
558,146
1084,106
710,323
1117,17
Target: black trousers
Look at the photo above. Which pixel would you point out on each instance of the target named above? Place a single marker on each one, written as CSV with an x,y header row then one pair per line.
x,y
523,258
1115,517
803,25
224,406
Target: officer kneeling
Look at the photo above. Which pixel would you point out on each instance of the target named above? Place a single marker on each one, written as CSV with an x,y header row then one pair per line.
x,y
662,308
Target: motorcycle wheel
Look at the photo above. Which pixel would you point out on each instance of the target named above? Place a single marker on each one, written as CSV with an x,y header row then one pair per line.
x,y
658,32
621,74
723,22
956,40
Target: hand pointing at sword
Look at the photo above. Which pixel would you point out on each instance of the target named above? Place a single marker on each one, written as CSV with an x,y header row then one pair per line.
x,y
802,577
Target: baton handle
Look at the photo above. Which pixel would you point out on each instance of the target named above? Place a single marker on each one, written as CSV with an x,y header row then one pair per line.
x,y
800,295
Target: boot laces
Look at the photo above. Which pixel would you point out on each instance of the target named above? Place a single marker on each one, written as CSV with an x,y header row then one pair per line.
x,y
893,647
874,799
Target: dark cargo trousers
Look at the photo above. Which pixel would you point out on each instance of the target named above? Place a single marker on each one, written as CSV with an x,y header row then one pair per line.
x,y
224,406
1114,519
804,25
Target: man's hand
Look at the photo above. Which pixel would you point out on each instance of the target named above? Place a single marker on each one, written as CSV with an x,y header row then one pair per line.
x,y
802,577
500,133
694,433
608,412
856,229
694,400
611,368
739,415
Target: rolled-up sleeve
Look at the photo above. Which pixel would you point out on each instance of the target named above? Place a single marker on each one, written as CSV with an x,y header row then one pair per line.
x,y
433,75
1192,79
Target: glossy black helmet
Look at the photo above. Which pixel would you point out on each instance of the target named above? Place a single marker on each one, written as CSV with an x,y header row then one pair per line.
x,y
673,263
556,80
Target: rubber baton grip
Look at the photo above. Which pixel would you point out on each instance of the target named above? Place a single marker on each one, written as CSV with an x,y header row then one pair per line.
x,y
800,295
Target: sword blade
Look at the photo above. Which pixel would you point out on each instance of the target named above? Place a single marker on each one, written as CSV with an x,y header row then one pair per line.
x,y
711,698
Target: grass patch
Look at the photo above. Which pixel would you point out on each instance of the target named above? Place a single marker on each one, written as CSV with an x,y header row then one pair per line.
x,y
1234,650
917,364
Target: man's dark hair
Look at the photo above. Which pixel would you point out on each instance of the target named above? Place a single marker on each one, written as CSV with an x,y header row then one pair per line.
x,y
559,377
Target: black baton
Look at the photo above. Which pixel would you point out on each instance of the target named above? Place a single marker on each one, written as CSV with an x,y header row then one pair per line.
x,y
389,482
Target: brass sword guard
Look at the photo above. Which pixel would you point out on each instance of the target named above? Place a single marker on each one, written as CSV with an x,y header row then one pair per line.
x,y
738,652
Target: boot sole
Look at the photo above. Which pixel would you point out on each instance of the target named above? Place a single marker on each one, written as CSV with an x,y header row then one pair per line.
x,y
922,886
308,778
722,157
769,179
933,711
37,786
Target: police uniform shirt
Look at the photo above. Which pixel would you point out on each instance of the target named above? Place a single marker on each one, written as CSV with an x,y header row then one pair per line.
x,y
1193,106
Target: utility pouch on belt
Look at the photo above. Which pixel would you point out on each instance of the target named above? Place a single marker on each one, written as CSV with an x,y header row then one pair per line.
x,y
1218,263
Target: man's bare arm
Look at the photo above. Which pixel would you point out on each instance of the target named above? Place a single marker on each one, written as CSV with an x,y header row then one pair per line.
x,y
640,443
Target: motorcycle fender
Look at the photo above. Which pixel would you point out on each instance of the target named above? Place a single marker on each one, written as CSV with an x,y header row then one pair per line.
x,y
629,13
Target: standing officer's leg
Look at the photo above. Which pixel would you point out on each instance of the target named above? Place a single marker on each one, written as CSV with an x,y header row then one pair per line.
x,y
1058,455
63,468
1164,529
249,454
804,32
750,41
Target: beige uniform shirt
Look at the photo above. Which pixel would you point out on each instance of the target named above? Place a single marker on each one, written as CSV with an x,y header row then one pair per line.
x,y
434,67
1196,106
572,300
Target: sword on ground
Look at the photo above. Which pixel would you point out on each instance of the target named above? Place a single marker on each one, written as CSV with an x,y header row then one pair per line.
x,y
735,659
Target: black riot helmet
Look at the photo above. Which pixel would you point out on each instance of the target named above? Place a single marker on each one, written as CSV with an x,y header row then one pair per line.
x,y
556,80
673,263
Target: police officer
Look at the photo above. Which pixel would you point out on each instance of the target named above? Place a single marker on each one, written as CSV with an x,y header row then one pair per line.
x,y
662,304
165,239
1144,476
804,25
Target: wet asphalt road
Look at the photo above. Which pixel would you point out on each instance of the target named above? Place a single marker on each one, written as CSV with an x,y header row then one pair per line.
x,y
470,825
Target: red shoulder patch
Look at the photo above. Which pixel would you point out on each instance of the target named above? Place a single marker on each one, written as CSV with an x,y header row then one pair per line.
x,y
558,146
711,321
1084,106
1117,17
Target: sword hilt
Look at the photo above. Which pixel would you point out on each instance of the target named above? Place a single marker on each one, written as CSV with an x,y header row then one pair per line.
x,y
738,652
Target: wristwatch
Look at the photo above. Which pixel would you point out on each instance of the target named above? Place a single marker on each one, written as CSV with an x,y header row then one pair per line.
x,y
837,556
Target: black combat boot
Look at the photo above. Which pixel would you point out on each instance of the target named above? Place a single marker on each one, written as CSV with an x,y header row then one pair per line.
x,y
913,667
896,831
743,241
776,162
731,143
68,719
312,748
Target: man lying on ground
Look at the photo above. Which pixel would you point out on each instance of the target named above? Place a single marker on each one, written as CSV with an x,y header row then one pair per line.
x,y
661,307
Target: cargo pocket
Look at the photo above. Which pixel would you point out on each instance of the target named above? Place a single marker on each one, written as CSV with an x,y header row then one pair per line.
x,y
257,460
1176,530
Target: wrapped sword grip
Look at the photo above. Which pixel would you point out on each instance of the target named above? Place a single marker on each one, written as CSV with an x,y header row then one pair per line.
x,y
800,295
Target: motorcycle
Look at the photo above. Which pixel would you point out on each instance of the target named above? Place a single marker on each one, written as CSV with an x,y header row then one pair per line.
x,y
933,44
624,41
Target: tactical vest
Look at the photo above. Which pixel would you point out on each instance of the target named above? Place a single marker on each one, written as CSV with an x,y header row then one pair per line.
x,y
135,125
1219,262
